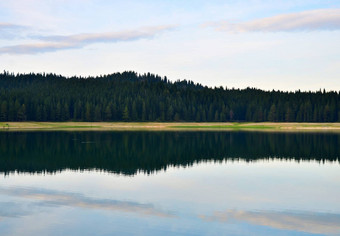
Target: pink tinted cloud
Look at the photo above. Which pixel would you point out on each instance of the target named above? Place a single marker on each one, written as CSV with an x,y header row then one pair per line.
x,y
314,20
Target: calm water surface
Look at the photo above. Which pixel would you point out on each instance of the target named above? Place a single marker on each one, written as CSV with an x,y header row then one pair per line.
x,y
169,183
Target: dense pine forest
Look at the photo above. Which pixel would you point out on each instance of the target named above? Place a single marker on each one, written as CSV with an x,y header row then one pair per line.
x,y
129,96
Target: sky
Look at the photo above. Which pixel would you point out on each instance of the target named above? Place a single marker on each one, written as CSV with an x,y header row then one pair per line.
x,y
283,44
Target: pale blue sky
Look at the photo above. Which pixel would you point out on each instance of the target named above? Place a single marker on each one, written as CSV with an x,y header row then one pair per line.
x,y
286,45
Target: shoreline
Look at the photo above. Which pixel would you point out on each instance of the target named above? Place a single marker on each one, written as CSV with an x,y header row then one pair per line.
x,y
170,126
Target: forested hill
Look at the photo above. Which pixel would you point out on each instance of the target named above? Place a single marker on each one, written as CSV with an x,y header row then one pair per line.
x,y
131,97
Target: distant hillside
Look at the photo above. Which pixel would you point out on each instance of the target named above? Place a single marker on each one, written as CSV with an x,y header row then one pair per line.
x,y
131,97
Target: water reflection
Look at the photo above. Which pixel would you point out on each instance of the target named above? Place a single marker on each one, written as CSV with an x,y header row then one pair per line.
x,y
238,183
130,152
312,222
47,197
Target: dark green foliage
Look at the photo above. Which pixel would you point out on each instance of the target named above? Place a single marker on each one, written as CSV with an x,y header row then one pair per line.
x,y
131,97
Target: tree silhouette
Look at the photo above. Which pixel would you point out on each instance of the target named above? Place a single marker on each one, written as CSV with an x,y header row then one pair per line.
x,y
128,96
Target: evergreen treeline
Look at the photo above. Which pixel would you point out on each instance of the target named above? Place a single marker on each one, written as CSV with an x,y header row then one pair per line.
x,y
131,97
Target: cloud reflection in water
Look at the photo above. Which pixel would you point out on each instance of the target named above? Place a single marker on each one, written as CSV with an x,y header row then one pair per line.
x,y
56,198
311,222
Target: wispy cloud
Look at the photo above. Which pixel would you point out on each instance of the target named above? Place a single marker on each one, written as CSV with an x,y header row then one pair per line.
x,y
35,48
311,222
59,42
10,31
55,198
313,20
4,25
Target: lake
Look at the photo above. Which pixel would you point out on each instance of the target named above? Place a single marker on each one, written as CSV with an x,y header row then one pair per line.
x,y
169,183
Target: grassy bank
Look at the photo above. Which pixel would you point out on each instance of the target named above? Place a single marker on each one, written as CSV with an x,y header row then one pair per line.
x,y
167,126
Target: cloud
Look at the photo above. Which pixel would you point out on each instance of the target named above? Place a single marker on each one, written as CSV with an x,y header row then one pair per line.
x,y
318,223
35,48
55,198
322,19
11,31
58,42
4,26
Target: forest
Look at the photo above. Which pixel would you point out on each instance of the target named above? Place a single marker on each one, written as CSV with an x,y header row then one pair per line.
x,y
130,96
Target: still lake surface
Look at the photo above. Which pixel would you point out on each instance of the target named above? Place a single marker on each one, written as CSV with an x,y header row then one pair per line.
x,y
169,183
